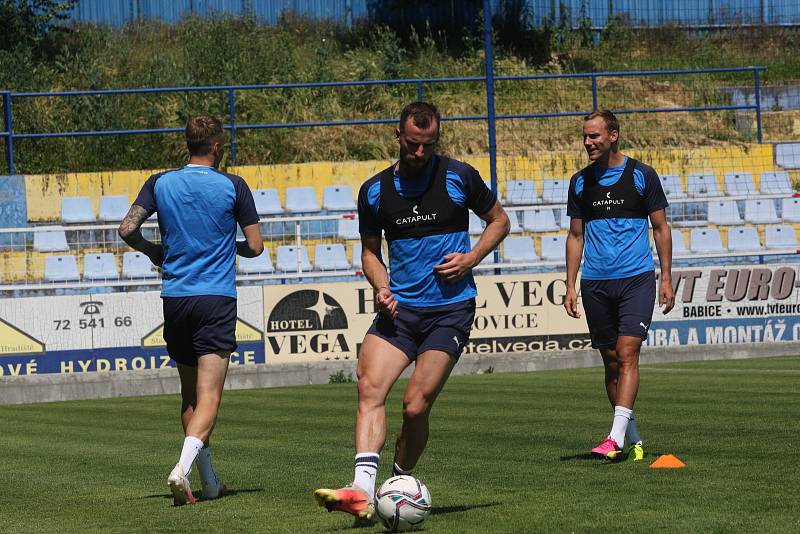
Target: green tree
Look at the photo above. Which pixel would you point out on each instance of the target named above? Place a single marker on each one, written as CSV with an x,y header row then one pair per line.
x,y
31,23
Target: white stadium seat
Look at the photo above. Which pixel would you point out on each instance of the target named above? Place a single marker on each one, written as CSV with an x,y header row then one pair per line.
x,y
261,264
706,240
513,217
782,236
724,212
100,267
790,209
678,244
539,220
554,191
76,210
475,224
267,202
52,241
760,211
330,257
787,155
521,192
554,247
61,268
703,185
743,239
113,208
519,250
776,183
338,198
672,186
357,255
301,200
290,256
137,265
739,183
348,229
564,220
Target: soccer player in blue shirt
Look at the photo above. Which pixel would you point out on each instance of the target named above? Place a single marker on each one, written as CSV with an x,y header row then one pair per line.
x,y
198,209
425,300
609,203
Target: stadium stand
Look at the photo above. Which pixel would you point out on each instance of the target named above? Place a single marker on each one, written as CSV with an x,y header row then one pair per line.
x,y
113,208
357,255
780,237
290,257
564,219
739,184
51,241
301,200
261,264
513,217
76,210
338,198
347,228
267,202
671,184
787,155
519,250
760,211
678,243
475,224
136,265
521,192
330,257
61,268
790,210
743,239
706,240
703,185
554,191
724,212
776,183
100,267
554,247
539,220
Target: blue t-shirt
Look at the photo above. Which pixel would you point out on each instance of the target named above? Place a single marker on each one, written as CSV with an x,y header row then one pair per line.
x,y
198,208
618,248
411,276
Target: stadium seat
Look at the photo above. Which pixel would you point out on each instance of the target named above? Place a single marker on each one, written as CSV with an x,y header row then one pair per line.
x,y
743,239
790,209
267,202
261,264
706,240
347,229
113,208
76,210
671,184
513,217
723,212
564,220
488,259
776,183
521,192
554,191
678,244
289,256
61,268
100,267
475,224
357,255
137,265
703,185
780,237
554,247
330,257
787,155
301,200
739,184
519,250
760,211
489,186
51,241
539,220
338,198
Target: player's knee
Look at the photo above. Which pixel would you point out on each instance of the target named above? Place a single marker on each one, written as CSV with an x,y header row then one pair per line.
x,y
416,407
368,391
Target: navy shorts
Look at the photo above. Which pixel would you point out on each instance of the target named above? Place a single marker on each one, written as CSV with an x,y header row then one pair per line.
x,y
416,330
194,326
622,307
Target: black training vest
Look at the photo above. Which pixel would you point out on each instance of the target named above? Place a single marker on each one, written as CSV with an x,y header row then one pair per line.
x,y
618,201
432,213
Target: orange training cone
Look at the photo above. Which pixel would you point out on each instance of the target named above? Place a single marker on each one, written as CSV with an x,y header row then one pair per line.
x,y
667,461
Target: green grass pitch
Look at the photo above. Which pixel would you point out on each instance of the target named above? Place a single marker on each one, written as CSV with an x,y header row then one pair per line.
x,y
508,453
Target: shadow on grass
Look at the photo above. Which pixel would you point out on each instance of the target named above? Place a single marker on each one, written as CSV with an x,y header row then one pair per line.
x,y
437,510
582,456
198,494
591,457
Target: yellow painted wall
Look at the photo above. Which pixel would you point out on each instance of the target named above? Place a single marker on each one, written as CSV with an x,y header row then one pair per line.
x,y
44,191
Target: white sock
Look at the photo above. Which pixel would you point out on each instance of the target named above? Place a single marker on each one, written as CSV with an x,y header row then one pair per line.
x,y
366,470
621,417
207,475
632,434
191,446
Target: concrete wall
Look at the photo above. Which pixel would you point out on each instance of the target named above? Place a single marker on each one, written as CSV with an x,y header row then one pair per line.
x,y
60,387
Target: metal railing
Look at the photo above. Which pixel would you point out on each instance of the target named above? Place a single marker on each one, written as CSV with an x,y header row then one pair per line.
x,y
10,135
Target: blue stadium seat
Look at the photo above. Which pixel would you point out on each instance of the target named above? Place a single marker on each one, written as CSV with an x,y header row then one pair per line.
x,y
521,192
261,264
760,211
267,202
739,184
787,155
338,198
554,191
136,265
672,186
539,220
554,247
100,267
113,208
330,257
301,200
519,250
776,183
724,212
289,256
706,240
51,241
744,239
678,244
703,185
348,229
61,268
75,210
475,224
790,209
780,237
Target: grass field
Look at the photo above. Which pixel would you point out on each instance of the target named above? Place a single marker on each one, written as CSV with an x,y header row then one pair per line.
x,y
508,453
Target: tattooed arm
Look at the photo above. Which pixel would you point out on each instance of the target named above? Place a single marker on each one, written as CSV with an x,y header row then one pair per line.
x,y
129,231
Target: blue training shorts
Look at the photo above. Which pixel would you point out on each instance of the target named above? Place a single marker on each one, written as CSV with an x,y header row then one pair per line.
x,y
416,330
195,326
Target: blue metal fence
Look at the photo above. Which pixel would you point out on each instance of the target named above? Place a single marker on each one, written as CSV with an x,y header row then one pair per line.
x,y
646,13
10,135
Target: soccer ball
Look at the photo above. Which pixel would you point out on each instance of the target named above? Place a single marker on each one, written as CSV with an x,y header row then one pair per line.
x,y
403,503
